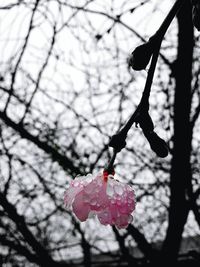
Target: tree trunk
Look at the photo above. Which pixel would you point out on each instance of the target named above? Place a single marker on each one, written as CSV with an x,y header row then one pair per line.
x,y
180,165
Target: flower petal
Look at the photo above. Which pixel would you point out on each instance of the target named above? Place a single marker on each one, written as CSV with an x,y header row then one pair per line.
x,y
80,208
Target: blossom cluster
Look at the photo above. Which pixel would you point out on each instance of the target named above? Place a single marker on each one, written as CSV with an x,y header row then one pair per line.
x,y
101,195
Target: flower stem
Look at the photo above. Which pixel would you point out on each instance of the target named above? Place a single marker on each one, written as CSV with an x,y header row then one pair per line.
x,y
167,21
144,102
118,140
110,168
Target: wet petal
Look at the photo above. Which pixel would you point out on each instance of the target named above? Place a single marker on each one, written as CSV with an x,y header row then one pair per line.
x,y
80,209
109,199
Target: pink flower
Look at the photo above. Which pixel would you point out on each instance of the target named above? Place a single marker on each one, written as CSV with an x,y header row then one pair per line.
x,y
101,195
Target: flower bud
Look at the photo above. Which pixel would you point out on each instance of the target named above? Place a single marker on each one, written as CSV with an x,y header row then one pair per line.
x,y
117,141
145,121
157,144
141,56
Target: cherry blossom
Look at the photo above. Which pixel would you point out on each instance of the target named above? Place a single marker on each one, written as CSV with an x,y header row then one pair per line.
x,y
101,195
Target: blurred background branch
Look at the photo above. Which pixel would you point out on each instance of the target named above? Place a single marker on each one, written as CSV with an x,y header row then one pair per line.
x,y
66,87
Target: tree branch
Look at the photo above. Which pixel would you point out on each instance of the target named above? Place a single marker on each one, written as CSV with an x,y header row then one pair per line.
x,y
64,161
142,243
43,256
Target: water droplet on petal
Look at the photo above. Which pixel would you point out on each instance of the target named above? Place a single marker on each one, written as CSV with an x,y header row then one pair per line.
x,y
123,209
97,189
118,189
130,200
112,201
89,188
131,195
128,188
109,190
86,198
93,201
76,183
104,217
89,178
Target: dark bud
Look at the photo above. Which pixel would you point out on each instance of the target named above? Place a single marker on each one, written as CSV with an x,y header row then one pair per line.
x,y
117,141
196,14
145,121
141,56
157,144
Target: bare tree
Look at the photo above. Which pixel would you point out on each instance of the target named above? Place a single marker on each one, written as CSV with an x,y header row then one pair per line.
x,y
66,87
